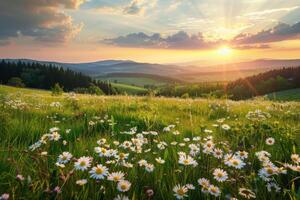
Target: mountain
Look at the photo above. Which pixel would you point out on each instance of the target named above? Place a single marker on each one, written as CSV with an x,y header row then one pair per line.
x,y
190,73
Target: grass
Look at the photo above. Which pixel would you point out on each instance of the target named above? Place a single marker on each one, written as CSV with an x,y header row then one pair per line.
x,y
286,95
137,81
129,89
26,115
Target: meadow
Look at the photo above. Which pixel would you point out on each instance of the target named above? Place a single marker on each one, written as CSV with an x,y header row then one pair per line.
x,y
123,147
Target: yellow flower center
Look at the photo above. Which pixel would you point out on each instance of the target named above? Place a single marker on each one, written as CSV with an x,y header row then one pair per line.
x,y
123,187
99,171
181,191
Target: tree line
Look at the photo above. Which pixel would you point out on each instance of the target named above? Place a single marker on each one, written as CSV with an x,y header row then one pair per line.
x,y
45,76
243,88
264,83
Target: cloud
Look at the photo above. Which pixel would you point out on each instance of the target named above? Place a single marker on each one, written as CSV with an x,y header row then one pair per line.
x,y
270,11
43,21
135,7
179,40
253,46
280,32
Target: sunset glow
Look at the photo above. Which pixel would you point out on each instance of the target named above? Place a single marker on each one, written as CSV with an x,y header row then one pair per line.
x,y
225,51
156,31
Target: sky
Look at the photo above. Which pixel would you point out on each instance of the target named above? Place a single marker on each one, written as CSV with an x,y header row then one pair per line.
x,y
155,31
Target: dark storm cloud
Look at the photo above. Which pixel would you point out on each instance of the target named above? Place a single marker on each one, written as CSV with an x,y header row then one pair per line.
x,y
42,20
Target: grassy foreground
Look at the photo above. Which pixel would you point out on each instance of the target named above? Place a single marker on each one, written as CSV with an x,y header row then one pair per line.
x,y
162,148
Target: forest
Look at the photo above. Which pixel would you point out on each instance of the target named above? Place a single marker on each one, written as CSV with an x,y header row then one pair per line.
x,y
43,76
243,88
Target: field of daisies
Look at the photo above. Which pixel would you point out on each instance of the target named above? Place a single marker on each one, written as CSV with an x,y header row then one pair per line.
x,y
121,147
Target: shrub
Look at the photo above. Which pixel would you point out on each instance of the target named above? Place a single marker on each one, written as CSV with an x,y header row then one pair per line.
x,y
16,82
57,89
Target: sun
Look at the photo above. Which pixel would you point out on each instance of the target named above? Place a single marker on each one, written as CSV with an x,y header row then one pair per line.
x,y
225,51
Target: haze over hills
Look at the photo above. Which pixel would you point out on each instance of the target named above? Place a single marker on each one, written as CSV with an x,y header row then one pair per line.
x,y
224,72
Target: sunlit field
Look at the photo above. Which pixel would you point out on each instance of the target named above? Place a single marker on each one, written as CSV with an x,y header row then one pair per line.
x,y
121,147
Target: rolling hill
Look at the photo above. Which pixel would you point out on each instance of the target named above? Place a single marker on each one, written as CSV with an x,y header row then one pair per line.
x,y
190,73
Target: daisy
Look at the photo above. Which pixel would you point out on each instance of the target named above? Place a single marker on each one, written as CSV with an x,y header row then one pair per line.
x,y
242,154
246,193
123,185
142,162
204,182
83,163
116,176
180,191
149,167
187,160
226,127
270,141
55,136
64,158
220,175
218,153
235,162
101,141
81,182
190,186
99,172
273,185
214,190
295,158
160,160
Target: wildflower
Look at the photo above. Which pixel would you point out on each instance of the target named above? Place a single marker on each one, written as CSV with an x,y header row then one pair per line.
x,y
142,162
190,186
295,158
246,193
214,190
55,136
81,182
226,127
4,196
180,191
101,141
99,172
116,176
235,162
65,142
57,189
176,133
267,171
149,192
149,167
218,153
123,185
60,165
273,185
242,154
187,160
64,158
270,141
20,177
83,163
220,175
159,160
196,138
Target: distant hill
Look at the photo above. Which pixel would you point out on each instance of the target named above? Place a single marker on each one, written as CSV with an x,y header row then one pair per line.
x,y
199,73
